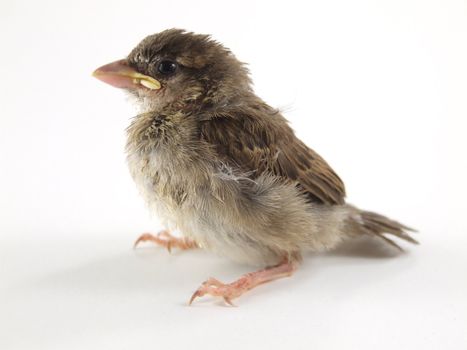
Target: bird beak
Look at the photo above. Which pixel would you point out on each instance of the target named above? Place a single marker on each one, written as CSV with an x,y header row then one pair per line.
x,y
120,75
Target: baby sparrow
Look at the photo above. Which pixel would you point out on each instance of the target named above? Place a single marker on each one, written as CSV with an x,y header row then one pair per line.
x,y
217,163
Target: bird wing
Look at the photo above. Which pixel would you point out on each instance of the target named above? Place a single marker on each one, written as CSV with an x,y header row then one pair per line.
x,y
258,144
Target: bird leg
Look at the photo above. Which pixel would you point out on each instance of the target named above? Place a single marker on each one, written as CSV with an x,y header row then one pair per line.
x,y
248,281
165,239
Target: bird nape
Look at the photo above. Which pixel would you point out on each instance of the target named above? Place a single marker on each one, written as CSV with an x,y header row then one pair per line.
x,y
217,163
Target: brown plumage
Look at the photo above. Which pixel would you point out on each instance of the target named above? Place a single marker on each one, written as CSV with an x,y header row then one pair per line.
x,y
217,163
259,140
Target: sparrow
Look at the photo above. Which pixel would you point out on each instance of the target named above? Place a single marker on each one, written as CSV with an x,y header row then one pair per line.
x,y
225,169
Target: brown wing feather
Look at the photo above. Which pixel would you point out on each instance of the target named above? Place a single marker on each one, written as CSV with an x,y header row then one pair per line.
x,y
258,142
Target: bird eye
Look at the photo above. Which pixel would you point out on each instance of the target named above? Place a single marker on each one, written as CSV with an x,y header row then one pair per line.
x,y
167,67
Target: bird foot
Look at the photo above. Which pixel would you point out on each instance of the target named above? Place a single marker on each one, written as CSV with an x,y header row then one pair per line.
x,y
248,281
216,288
165,239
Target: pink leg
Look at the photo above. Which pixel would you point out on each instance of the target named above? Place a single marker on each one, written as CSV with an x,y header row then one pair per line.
x,y
245,283
165,239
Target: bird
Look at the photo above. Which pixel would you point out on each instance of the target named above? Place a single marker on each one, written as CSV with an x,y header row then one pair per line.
x,y
218,164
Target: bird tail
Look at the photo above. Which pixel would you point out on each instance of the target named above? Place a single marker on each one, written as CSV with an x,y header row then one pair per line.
x,y
373,224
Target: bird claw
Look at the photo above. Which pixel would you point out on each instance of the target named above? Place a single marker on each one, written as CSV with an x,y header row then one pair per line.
x,y
165,239
216,288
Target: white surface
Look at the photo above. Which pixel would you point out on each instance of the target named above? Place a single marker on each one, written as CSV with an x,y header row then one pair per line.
x,y
378,88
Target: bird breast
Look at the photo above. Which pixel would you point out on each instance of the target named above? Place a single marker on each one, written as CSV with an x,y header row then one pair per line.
x,y
251,220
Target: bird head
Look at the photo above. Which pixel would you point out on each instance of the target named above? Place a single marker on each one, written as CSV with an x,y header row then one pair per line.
x,y
175,66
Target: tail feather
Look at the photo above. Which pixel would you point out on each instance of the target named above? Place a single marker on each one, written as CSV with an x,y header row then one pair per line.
x,y
378,225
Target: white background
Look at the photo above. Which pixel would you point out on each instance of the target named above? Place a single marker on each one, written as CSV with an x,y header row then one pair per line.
x,y
377,87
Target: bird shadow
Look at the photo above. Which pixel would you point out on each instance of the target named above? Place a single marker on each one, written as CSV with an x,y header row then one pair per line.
x,y
145,270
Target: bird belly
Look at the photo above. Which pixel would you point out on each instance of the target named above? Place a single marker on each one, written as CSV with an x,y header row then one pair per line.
x,y
256,221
